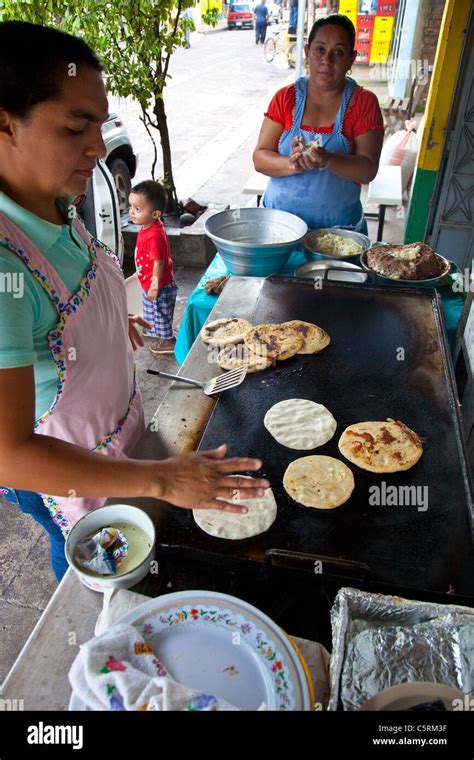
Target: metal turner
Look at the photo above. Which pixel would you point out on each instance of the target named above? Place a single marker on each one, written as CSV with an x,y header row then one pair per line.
x,y
218,384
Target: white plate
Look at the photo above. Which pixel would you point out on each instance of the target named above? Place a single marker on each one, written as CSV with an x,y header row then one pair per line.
x,y
406,695
221,645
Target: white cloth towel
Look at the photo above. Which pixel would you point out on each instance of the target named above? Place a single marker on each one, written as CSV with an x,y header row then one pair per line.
x,y
118,671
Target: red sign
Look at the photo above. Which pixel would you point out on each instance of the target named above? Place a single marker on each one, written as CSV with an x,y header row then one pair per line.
x,y
385,8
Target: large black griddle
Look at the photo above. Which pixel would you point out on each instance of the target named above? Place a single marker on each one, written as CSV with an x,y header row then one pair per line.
x,y
388,358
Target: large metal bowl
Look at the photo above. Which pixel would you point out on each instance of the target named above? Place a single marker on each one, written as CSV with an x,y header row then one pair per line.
x,y
255,241
313,255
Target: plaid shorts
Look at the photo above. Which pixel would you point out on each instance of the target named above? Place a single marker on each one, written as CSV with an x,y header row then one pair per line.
x,y
159,313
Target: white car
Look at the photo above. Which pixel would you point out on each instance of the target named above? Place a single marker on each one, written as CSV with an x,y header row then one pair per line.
x,y
120,157
100,210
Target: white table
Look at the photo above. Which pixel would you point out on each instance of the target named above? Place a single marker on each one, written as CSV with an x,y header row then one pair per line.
x,y
256,185
385,190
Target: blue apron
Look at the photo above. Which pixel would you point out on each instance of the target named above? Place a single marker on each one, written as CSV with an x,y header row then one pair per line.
x,y
317,196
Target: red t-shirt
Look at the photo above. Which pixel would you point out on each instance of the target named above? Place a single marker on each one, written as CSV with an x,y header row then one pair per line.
x,y
362,115
153,244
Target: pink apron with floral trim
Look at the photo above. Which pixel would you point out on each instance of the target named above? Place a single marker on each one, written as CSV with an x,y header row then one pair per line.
x,y
98,404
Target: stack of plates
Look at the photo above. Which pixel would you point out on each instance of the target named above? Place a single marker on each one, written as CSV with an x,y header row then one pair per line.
x,y
223,646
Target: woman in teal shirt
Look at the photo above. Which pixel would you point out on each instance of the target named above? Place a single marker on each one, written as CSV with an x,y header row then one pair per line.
x,y
52,106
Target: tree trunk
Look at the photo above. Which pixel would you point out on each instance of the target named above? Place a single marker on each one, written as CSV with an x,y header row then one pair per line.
x,y
173,203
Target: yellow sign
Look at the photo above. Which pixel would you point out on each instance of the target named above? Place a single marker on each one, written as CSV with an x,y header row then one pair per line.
x,y
383,28
379,51
349,8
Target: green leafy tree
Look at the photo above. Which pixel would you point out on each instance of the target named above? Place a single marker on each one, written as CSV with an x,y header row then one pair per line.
x,y
135,40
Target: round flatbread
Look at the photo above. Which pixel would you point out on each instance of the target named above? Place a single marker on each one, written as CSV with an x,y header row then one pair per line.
x,y
240,355
381,446
300,424
319,482
224,332
273,341
261,515
315,339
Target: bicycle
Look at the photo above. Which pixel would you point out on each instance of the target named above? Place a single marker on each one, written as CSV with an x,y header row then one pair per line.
x,y
282,42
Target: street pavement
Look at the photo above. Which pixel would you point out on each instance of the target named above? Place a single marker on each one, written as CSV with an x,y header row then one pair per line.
x,y
215,103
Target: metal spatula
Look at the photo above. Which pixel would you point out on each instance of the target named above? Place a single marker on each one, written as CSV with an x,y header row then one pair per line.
x,y
218,384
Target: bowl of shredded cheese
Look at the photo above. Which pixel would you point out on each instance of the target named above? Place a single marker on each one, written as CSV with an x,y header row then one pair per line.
x,y
334,243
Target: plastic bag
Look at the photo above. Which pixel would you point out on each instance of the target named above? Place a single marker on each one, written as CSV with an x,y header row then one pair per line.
x,y
401,149
103,552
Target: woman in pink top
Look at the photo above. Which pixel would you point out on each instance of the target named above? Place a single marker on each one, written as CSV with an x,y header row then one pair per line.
x,y
70,458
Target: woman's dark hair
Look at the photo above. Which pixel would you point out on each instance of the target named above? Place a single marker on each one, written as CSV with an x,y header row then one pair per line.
x,y
335,19
30,56
154,192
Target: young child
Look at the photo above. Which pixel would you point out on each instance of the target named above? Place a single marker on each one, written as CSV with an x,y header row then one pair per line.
x,y
147,202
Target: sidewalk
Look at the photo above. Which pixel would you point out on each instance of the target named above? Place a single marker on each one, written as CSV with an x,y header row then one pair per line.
x,y
221,27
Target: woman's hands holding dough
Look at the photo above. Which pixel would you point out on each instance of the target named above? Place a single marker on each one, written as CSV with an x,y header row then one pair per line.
x,y
307,157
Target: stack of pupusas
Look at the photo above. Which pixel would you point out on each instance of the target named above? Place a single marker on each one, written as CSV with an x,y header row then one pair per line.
x,y
258,347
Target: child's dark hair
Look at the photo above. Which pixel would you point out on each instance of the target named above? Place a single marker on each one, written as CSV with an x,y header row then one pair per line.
x,y
30,64
154,192
335,19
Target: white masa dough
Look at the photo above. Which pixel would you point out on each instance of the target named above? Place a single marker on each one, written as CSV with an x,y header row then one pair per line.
x,y
261,515
300,424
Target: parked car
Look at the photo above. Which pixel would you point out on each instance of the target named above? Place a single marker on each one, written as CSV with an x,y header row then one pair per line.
x,y
120,157
274,13
99,209
240,16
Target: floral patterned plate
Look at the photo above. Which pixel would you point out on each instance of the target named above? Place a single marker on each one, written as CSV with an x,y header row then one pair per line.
x,y
221,645
224,646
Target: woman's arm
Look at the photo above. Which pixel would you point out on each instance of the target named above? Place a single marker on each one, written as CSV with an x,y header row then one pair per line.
x,y
266,158
48,465
362,166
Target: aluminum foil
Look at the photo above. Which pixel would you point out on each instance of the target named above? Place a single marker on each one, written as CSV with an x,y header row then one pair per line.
x,y
380,641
